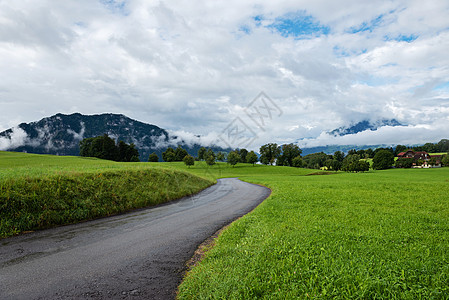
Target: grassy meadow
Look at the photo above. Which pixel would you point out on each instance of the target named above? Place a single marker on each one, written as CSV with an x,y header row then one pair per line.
x,y
373,235
42,191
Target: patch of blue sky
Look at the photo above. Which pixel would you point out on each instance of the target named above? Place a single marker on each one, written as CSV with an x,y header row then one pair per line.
x,y
258,20
367,26
442,86
402,38
245,29
116,6
298,25
343,52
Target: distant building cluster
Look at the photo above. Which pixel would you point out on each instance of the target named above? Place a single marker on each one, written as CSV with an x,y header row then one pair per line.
x,y
421,159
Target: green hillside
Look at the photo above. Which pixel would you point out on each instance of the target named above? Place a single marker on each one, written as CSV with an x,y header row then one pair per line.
x,y
41,191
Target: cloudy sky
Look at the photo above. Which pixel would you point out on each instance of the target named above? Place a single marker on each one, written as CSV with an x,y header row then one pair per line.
x,y
195,67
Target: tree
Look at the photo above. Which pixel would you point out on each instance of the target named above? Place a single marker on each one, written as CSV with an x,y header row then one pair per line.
x,y
180,153
369,153
315,160
210,159
349,163
328,164
445,160
433,161
134,158
404,163
339,155
443,145
122,150
361,153
169,155
233,158
297,162
105,148
352,163
381,149
335,165
127,152
399,148
430,148
383,159
153,157
220,156
269,153
201,153
352,152
188,160
251,158
86,147
289,152
243,153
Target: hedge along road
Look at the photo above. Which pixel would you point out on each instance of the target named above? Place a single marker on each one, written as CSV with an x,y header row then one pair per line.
x,y
136,255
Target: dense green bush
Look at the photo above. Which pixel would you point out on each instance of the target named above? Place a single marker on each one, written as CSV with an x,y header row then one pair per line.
x,y
383,159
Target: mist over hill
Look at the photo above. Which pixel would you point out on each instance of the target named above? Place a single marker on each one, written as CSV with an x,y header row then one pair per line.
x,y
60,135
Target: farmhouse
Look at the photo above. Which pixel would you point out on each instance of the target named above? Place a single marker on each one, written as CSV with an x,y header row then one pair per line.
x,y
422,159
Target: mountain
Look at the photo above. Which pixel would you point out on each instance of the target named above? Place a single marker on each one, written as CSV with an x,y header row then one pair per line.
x,y
354,128
363,126
60,135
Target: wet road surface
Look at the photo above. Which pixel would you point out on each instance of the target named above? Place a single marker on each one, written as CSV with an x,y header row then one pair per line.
x,y
139,255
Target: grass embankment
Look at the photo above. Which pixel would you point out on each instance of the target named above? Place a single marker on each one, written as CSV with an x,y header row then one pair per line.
x,y
41,191
375,235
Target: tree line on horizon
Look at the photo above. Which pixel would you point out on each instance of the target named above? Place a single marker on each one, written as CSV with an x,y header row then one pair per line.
x,y
269,154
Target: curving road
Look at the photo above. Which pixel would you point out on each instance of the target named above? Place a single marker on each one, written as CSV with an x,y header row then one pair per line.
x,y
139,255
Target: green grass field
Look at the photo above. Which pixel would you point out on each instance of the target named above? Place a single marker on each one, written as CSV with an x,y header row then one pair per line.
x,y
42,191
374,235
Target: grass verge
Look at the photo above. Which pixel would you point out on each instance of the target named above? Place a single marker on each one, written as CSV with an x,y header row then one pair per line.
x,y
373,235
35,199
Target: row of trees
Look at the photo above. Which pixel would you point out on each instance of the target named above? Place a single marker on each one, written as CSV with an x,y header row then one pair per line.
x,y
105,148
207,155
440,147
290,155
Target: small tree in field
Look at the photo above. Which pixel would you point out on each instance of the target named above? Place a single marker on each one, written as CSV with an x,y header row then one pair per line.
x,y
153,157
210,158
180,153
189,160
233,158
201,153
251,158
169,155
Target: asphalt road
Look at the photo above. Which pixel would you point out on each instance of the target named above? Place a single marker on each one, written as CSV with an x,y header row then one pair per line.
x,y
139,255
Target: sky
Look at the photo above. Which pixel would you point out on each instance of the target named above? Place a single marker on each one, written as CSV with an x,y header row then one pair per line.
x,y
243,73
